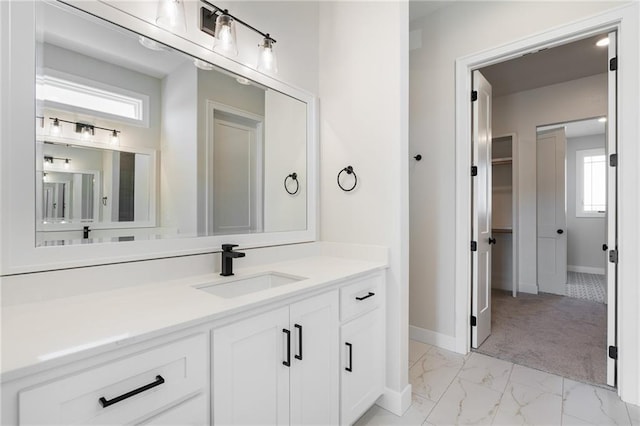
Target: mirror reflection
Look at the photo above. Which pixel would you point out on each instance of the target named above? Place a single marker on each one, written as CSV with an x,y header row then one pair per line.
x,y
138,141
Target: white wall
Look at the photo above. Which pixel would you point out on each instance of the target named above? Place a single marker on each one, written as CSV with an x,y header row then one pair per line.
x,y
585,235
363,114
179,153
285,136
521,113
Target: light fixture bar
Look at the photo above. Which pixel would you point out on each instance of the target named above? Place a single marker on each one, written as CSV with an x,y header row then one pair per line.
x,y
80,125
208,21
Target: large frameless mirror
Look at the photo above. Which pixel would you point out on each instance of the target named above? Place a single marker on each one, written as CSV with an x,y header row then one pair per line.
x,y
135,140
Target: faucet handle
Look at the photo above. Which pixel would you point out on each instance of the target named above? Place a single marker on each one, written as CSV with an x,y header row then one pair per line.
x,y
228,247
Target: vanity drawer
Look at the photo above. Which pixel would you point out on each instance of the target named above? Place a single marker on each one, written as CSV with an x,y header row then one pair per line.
x,y
121,391
359,297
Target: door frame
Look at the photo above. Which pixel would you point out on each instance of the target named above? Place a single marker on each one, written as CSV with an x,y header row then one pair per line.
x,y
211,108
624,20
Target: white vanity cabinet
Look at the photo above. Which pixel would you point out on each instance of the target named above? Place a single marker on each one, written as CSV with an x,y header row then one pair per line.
x,y
361,347
279,367
150,387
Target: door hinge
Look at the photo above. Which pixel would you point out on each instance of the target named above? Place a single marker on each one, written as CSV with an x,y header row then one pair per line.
x,y
474,321
474,95
613,160
613,352
474,170
613,64
474,246
613,256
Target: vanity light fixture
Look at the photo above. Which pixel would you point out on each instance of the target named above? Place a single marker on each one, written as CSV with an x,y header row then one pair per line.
x,y
86,131
48,161
220,24
115,139
603,42
170,15
602,120
67,163
56,127
267,61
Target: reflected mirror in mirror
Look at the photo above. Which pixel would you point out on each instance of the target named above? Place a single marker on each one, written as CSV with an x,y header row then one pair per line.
x,y
139,141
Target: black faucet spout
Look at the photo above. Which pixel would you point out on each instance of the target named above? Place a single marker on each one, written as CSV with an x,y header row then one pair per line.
x,y
227,258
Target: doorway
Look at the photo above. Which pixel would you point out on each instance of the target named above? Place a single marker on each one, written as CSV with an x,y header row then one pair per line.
x,y
543,233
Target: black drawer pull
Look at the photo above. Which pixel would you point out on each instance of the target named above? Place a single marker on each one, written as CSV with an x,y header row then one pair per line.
x,y
107,402
288,361
349,369
366,297
299,356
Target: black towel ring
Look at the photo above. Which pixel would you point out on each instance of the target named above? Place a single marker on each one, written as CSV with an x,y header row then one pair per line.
x,y
349,171
294,177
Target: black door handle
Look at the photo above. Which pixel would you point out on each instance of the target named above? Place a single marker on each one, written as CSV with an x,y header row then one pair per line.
x,y
107,402
299,355
288,361
492,240
560,231
349,369
605,247
366,297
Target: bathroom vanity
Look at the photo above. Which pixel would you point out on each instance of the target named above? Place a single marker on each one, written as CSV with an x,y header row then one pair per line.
x,y
308,351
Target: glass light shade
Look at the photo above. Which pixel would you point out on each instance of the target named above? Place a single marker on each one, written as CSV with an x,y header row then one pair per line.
x,y
225,37
206,66
171,14
67,164
56,127
267,61
115,139
85,133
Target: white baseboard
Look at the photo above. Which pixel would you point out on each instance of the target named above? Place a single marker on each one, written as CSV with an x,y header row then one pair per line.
x,y
396,402
528,288
432,338
585,269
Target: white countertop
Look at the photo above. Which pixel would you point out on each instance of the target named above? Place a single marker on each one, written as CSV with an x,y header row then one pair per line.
x,y
41,335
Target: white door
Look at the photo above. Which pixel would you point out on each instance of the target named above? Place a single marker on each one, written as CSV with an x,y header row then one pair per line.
x,y
234,178
251,383
612,240
481,223
362,351
314,360
551,211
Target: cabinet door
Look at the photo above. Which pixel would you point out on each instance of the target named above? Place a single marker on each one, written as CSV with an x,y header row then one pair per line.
x,y
192,412
314,364
362,366
250,382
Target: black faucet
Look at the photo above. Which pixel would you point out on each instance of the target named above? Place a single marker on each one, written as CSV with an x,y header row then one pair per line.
x,y
85,232
227,259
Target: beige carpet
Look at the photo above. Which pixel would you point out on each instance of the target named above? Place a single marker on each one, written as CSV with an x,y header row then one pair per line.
x,y
557,334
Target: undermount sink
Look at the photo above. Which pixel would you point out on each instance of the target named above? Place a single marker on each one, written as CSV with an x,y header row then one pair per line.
x,y
243,286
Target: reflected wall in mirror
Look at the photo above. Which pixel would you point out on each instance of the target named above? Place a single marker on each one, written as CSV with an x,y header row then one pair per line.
x,y
139,141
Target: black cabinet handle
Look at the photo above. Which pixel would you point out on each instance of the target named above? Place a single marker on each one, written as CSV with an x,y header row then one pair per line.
x,y
288,361
349,369
107,402
366,297
299,355
560,231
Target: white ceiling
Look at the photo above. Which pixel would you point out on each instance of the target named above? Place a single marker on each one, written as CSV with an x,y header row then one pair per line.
x,y
551,66
576,129
98,39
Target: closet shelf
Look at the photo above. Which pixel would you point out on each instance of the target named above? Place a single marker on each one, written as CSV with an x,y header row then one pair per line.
x,y
502,230
502,160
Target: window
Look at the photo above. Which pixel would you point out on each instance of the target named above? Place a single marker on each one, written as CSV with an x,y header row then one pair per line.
x,y
591,183
73,93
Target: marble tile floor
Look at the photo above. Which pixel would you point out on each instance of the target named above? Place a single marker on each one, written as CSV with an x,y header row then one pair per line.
x,y
452,389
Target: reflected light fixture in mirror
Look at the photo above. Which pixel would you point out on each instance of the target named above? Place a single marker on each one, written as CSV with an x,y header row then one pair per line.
x,y
603,42
206,66
56,127
171,15
267,61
